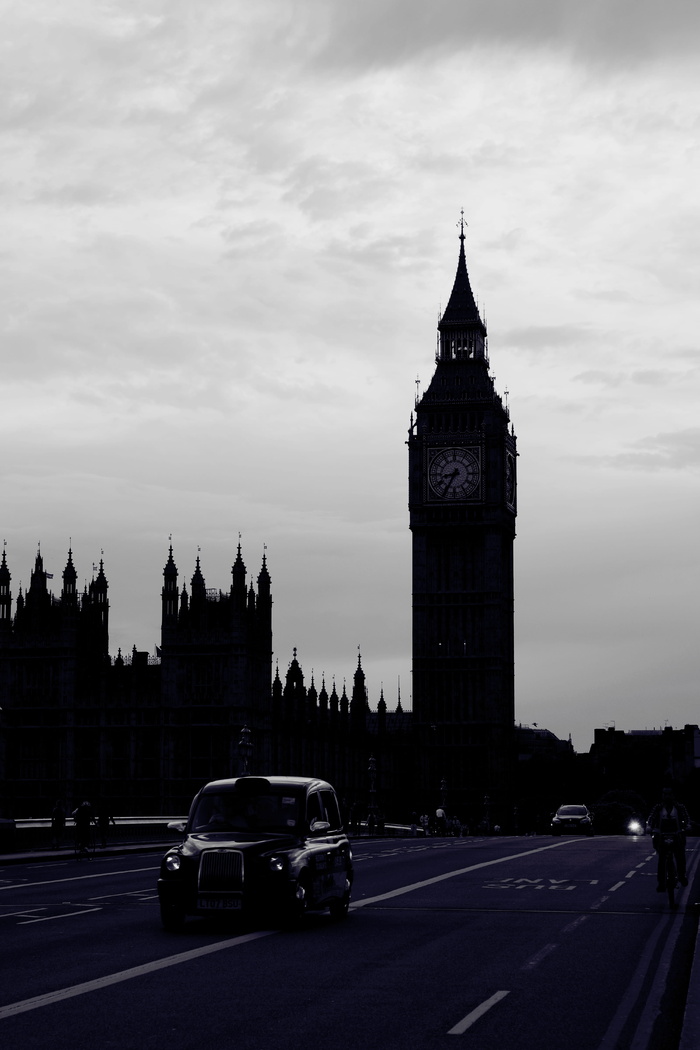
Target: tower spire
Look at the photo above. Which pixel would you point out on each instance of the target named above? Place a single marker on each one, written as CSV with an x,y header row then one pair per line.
x,y
462,332
5,593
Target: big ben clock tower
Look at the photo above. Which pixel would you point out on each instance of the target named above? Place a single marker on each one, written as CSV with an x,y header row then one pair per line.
x,y
462,506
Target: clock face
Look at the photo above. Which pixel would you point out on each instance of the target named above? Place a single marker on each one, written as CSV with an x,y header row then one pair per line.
x,y
453,473
510,479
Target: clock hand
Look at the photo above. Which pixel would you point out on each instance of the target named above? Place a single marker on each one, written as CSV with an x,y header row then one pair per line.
x,y
450,478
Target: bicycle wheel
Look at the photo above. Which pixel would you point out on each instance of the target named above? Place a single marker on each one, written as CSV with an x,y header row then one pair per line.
x,y
671,879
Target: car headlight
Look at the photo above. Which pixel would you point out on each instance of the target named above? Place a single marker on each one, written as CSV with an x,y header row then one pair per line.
x,y
172,862
276,862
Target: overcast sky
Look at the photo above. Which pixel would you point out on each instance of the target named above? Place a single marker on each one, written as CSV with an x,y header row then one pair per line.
x,y
228,228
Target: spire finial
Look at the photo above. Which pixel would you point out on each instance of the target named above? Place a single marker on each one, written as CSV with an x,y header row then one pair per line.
x,y
461,225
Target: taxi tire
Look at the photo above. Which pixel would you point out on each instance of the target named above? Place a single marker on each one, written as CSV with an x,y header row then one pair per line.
x,y
172,918
296,910
340,907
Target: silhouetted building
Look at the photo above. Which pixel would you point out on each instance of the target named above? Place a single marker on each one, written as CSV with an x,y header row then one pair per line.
x,y
646,760
215,669
143,732
462,502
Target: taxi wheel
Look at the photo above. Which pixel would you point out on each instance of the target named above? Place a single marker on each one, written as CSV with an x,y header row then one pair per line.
x,y
172,918
299,903
339,908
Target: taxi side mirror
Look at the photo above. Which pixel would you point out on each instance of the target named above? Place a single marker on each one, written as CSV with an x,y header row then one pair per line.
x,y
317,827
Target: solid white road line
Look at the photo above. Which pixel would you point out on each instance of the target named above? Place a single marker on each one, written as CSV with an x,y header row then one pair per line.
x,y
451,875
468,1021
75,878
65,915
12,1009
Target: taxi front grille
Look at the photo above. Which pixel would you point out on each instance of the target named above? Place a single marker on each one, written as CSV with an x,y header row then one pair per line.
x,y
221,869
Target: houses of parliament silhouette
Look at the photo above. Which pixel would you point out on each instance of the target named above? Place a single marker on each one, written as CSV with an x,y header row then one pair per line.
x,y
142,734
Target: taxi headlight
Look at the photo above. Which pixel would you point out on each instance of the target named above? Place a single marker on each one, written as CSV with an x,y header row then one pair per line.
x,y
172,862
276,862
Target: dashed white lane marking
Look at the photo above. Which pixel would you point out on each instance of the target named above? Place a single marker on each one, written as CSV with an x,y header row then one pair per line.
x,y
469,1020
539,956
615,887
575,924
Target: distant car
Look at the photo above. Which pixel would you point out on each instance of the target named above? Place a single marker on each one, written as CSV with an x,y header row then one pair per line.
x,y
572,820
273,846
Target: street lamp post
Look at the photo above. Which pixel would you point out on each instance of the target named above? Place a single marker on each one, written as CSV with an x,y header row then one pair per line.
x,y
245,750
372,818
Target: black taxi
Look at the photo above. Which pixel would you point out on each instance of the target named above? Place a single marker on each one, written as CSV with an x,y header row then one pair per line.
x,y
272,846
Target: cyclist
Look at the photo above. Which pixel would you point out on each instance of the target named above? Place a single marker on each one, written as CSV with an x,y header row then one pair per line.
x,y
669,817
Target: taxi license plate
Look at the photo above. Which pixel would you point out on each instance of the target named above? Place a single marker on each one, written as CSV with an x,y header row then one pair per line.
x,y
220,903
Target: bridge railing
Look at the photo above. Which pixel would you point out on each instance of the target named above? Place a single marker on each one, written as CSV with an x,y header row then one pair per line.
x,y
26,835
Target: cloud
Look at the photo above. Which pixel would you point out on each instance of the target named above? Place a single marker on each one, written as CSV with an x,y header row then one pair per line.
x,y
536,338
394,32
227,230
674,450
641,377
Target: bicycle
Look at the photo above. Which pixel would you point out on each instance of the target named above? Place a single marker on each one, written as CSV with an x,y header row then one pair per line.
x,y
85,843
668,845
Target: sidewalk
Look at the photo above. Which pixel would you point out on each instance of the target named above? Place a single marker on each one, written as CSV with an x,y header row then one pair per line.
x,y
112,848
125,838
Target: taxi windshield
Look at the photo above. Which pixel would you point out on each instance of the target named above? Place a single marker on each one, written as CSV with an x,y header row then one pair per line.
x,y
277,809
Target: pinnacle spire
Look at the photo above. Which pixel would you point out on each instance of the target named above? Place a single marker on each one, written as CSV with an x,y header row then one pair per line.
x,y
462,333
461,309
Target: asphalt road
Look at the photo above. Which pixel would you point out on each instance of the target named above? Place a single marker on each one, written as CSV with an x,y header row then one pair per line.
x,y
480,943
